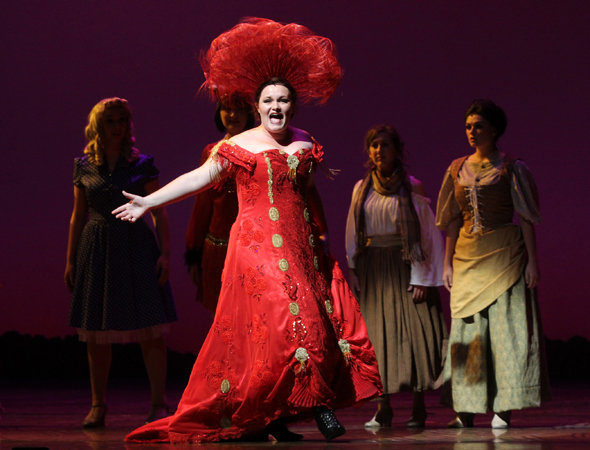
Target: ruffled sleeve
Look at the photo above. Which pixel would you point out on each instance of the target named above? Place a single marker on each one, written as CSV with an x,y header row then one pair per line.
x,y
79,164
317,151
447,208
316,155
429,271
230,157
351,228
146,167
524,193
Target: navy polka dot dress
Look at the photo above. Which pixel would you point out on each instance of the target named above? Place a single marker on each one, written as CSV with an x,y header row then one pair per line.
x,y
116,283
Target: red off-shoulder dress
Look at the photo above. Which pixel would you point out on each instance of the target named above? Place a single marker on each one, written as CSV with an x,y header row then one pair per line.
x,y
284,337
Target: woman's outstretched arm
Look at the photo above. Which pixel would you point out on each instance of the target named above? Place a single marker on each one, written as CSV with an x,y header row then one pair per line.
x,y
184,186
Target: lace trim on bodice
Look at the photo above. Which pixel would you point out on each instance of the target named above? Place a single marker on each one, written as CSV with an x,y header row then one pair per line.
x,y
473,192
485,206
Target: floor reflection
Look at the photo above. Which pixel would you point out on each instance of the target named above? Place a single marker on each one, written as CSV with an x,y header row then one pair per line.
x,y
49,415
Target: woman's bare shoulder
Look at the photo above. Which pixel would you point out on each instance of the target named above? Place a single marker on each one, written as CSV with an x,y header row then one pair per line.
x,y
244,138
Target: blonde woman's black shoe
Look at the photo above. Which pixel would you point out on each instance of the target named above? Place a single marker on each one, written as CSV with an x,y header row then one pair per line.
x,y
96,416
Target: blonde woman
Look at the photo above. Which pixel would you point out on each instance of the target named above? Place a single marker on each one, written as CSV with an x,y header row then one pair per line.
x,y
117,273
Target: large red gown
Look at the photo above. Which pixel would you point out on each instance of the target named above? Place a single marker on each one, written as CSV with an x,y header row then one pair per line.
x,y
284,338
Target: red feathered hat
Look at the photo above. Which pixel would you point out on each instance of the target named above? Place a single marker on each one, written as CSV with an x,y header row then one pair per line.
x,y
253,51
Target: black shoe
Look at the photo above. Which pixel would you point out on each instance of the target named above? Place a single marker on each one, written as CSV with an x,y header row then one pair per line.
x,y
463,420
418,420
327,422
95,420
281,433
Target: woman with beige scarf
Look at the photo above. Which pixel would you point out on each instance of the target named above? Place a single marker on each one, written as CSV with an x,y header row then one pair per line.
x,y
395,256
495,359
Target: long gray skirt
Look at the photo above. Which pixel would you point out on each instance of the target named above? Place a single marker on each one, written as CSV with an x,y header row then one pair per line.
x,y
496,358
410,339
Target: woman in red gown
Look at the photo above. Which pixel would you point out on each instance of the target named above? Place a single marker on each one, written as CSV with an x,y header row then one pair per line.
x,y
285,343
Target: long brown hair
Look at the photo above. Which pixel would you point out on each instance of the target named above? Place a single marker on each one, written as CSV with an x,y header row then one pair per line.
x,y
398,144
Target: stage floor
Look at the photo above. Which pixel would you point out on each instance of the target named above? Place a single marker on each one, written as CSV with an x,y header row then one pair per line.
x,y
48,415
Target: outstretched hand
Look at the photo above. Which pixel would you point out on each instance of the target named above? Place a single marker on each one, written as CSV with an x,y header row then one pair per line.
x,y
133,210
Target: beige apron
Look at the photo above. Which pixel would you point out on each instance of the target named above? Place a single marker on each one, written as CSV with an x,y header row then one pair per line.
x,y
485,266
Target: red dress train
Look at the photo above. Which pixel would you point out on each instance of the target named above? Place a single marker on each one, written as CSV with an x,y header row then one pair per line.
x,y
284,338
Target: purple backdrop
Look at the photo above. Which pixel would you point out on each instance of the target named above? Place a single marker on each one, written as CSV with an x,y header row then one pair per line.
x,y
413,64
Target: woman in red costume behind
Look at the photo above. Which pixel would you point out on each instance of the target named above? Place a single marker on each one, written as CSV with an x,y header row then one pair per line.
x,y
286,343
214,212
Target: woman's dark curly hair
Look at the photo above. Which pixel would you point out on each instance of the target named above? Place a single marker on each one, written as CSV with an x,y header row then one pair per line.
x,y
491,112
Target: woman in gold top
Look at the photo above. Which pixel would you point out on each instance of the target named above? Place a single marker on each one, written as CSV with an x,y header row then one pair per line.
x,y
496,358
